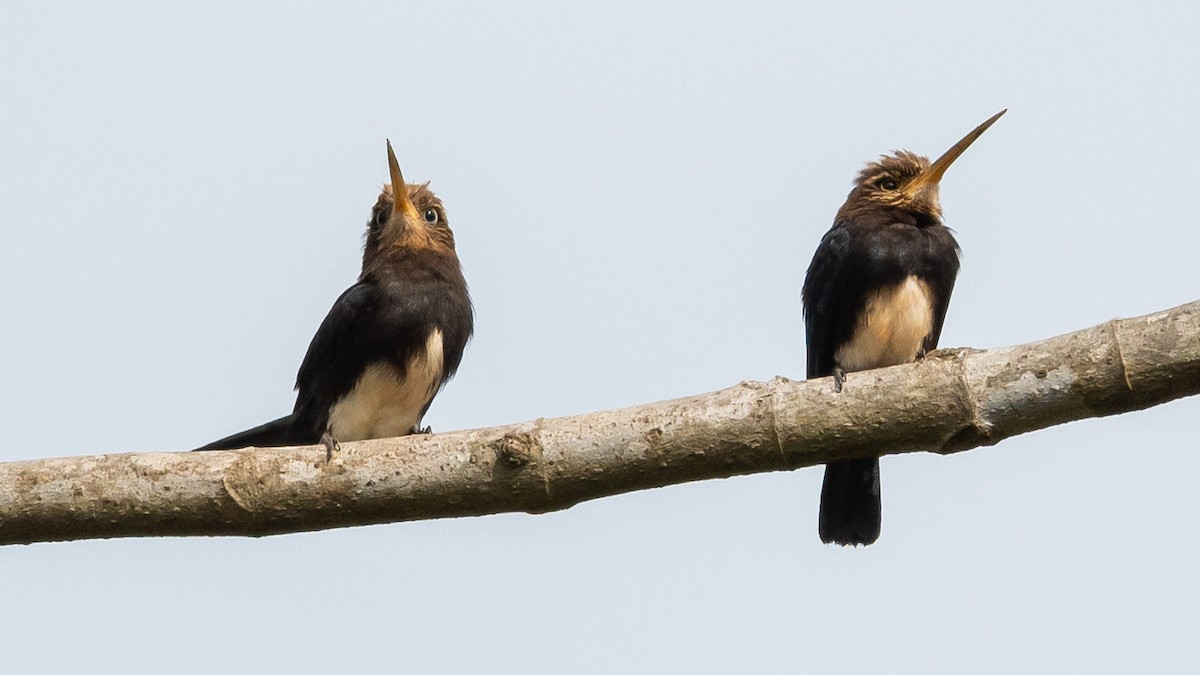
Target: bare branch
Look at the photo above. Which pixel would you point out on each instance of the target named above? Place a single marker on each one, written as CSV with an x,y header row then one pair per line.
x,y
953,400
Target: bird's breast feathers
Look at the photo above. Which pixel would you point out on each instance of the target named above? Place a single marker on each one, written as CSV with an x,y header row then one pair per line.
x,y
385,403
891,327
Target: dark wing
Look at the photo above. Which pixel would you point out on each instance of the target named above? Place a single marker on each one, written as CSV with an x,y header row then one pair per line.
x,y
334,360
940,272
941,304
829,302
414,307
453,314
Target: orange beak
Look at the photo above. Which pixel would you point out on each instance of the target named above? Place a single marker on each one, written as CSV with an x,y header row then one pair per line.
x,y
929,178
401,204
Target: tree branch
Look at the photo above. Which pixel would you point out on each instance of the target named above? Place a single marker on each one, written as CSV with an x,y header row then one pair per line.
x,y
951,401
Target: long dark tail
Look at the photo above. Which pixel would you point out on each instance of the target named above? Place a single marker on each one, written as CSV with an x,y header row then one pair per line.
x,y
274,433
850,510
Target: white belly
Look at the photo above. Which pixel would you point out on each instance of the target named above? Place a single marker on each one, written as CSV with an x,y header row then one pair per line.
x,y
891,328
383,404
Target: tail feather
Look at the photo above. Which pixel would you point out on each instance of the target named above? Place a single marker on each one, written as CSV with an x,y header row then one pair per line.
x,y
273,433
850,511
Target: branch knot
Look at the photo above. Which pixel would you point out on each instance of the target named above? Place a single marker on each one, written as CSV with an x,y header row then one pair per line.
x,y
518,448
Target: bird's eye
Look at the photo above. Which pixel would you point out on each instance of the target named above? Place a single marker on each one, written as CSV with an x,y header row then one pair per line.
x,y
888,184
431,216
381,217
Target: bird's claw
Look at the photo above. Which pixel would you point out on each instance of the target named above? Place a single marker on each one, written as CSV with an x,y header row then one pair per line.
x,y
331,445
839,378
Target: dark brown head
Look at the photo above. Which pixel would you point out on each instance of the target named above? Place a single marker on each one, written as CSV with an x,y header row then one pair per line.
x,y
908,181
415,221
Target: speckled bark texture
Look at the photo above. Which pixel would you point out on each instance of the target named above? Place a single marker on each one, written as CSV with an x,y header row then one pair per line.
x,y
953,400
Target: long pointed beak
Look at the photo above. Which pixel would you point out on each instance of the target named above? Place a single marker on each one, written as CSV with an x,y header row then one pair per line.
x,y
933,175
400,201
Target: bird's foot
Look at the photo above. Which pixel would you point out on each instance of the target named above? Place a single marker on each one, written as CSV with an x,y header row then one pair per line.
x,y
331,445
422,430
921,353
839,378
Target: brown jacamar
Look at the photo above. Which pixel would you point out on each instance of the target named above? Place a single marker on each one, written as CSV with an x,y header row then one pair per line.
x,y
876,295
391,341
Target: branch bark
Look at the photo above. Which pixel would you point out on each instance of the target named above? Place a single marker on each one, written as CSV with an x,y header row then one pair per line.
x,y
953,400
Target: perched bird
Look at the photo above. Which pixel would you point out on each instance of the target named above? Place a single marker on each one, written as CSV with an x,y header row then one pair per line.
x,y
876,295
391,341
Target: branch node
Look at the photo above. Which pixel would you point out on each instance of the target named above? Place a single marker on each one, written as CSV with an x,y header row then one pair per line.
x,y
979,431
1116,337
776,436
235,494
518,449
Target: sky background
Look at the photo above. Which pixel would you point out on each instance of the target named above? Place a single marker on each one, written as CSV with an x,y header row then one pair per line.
x,y
636,190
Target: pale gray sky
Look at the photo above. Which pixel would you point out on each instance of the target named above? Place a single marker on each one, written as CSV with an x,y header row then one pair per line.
x,y
636,192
